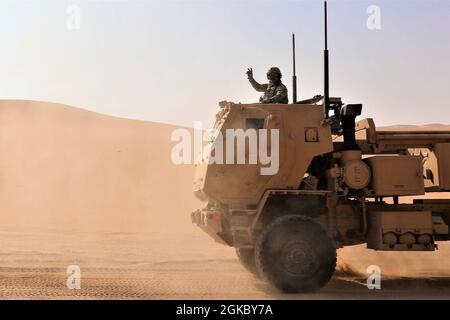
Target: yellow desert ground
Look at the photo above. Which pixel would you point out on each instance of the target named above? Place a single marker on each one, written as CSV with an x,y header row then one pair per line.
x,y
80,188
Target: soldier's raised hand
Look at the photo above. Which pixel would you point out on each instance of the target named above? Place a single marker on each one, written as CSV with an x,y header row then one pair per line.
x,y
250,73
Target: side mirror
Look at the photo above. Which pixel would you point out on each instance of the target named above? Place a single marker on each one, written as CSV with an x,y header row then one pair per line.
x,y
349,113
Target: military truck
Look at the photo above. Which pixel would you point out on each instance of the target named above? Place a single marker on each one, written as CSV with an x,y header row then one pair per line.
x,y
339,183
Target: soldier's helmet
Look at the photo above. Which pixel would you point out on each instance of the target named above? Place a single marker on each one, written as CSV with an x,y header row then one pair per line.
x,y
274,72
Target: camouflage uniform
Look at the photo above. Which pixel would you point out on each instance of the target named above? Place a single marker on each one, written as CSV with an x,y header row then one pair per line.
x,y
274,91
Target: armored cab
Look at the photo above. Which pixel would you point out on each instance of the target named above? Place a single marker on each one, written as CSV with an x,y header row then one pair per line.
x,y
287,137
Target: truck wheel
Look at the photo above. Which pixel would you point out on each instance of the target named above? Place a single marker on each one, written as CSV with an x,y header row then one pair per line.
x,y
247,258
295,254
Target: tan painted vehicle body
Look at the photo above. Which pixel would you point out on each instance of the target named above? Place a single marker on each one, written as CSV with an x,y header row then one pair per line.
x,y
352,190
242,185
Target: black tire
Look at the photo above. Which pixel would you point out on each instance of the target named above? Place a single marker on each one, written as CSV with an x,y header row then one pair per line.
x,y
247,258
295,254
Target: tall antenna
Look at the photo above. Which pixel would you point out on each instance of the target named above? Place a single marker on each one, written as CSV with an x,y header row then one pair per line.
x,y
326,93
294,77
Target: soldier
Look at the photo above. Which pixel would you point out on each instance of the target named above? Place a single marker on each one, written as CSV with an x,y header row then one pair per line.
x,y
274,91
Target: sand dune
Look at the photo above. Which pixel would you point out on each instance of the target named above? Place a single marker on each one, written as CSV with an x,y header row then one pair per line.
x,y
425,127
63,167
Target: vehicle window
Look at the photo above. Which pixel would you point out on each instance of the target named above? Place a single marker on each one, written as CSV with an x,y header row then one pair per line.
x,y
254,123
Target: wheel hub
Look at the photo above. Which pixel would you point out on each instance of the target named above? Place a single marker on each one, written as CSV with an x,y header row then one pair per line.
x,y
298,259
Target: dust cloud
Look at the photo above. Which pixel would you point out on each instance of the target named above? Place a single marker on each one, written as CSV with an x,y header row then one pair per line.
x,y
100,192
67,168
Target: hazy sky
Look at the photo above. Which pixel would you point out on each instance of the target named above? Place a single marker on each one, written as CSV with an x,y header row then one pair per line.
x,y
172,61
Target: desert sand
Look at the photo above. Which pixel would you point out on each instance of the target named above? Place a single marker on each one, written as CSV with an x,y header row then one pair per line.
x,y
80,188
